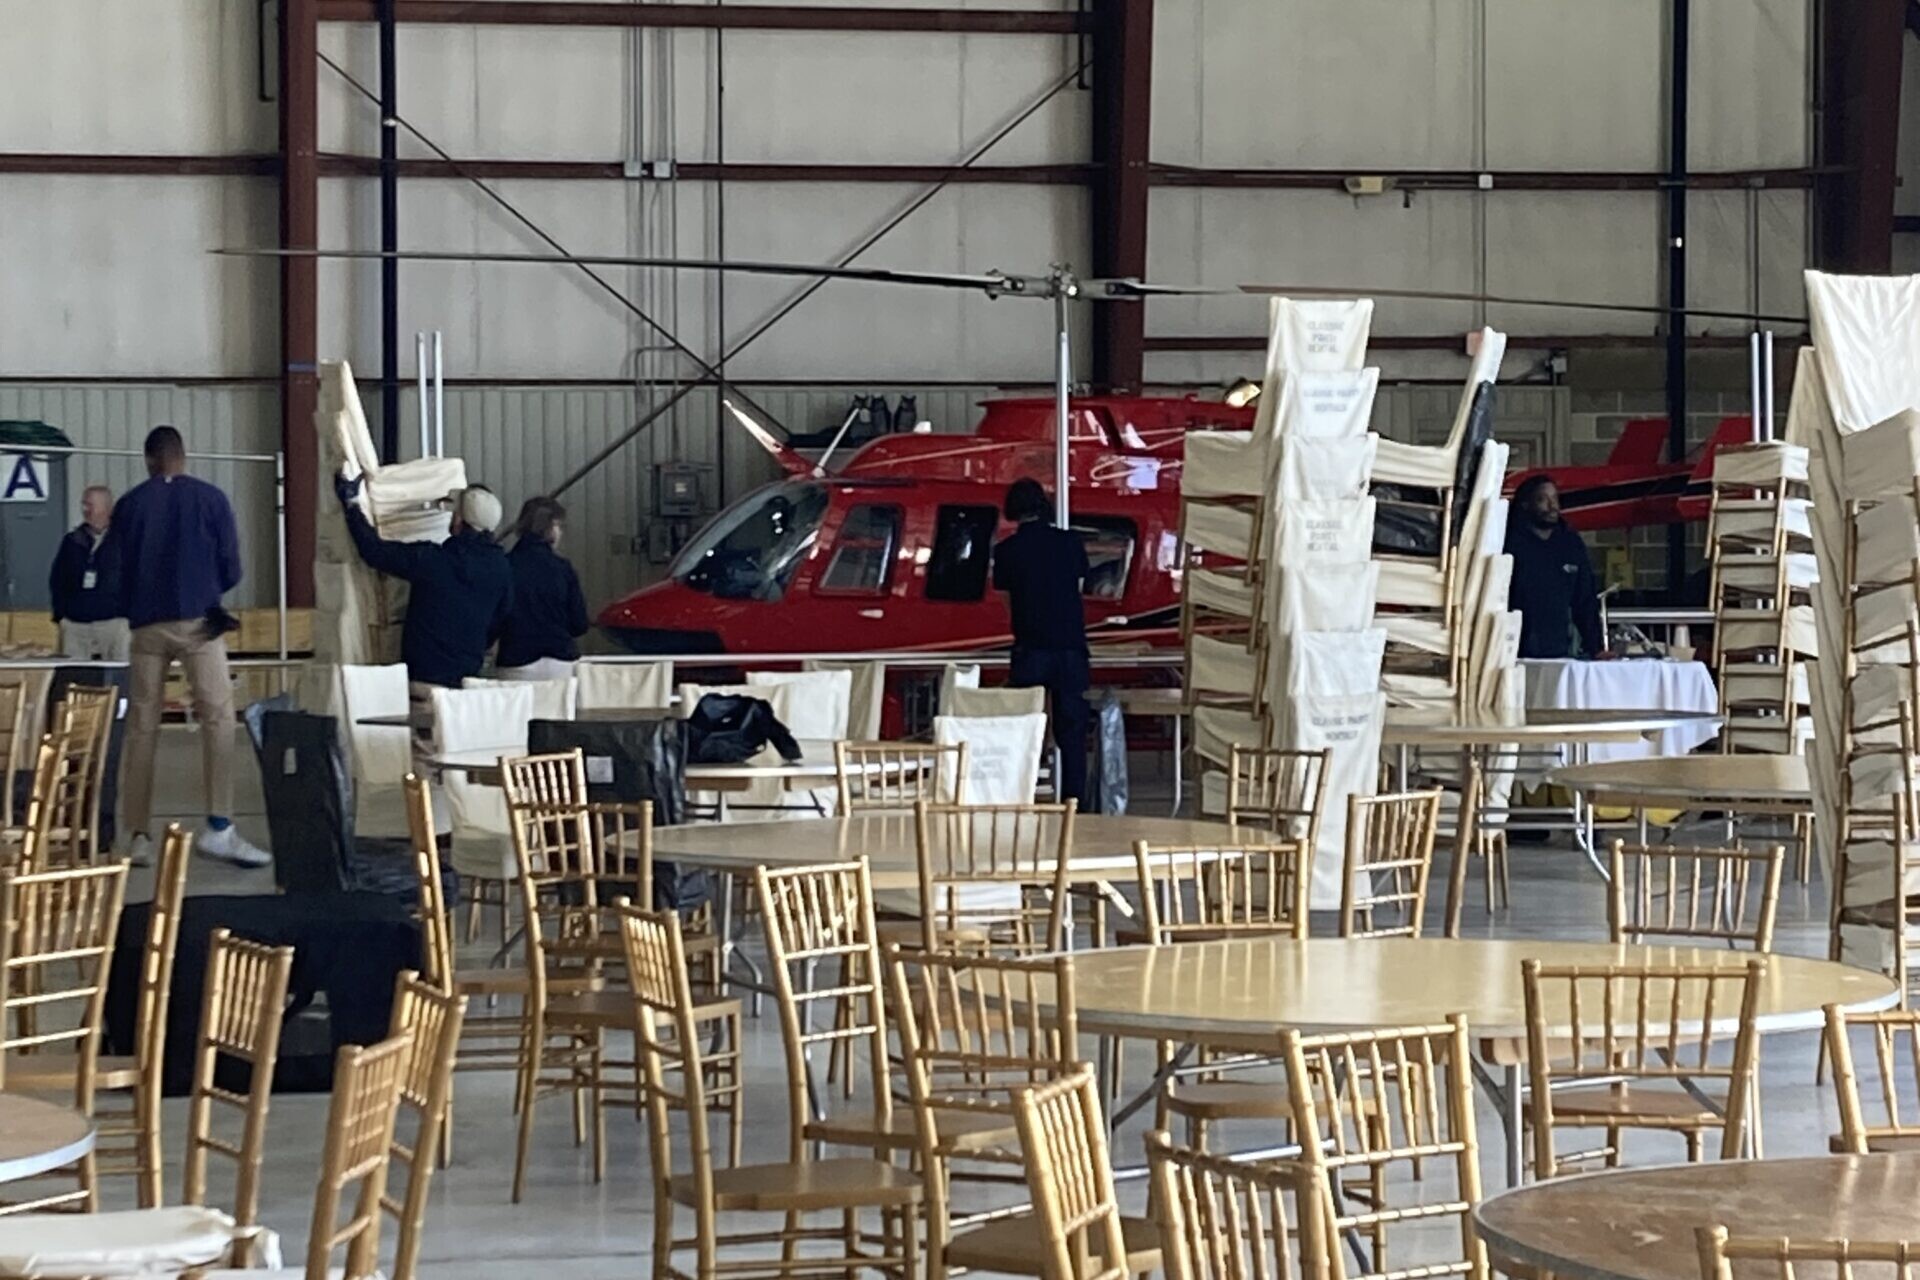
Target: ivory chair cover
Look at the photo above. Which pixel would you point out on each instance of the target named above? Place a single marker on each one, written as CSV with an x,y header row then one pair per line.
x,y
552,699
976,704
1434,466
1003,756
817,702
866,699
381,756
492,719
643,686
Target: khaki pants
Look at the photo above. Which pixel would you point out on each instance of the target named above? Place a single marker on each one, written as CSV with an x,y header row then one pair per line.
x,y
105,641
155,648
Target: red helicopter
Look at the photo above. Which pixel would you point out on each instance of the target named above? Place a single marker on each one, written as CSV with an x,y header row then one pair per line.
x,y
894,550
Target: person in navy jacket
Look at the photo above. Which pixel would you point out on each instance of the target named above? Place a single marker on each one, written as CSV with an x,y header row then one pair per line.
x,y
1041,568
179,553
540,640
84,585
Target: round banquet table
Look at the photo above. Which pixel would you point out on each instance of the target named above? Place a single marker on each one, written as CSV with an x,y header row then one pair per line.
x,y
37,1137
1234,994
1537,726
1748,783
1638,1224
1101,849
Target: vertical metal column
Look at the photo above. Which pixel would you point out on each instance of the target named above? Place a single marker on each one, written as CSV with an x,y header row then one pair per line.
x,y
1122,60
389,243
1681,16
299,310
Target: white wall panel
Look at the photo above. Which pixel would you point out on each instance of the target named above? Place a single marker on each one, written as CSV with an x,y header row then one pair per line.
x,y
1312,83
113,276
177,77
1575,85
1720,237
1232,237
1577,247
1748,102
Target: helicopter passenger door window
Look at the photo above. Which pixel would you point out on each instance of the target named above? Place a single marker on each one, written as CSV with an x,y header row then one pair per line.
x,y
863,553
962,553
1109,542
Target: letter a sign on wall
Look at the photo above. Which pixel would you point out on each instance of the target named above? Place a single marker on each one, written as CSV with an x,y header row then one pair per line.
x,y
26,478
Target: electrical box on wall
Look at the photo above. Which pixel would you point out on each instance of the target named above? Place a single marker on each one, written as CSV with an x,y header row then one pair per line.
x,y
676,490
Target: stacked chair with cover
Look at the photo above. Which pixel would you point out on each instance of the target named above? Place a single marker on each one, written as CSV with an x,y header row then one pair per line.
x,y
1760,536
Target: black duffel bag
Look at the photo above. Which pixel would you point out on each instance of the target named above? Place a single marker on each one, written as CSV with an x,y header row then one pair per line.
x,y
729,728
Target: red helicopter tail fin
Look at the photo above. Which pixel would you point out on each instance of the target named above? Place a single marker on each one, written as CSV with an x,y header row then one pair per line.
x,y
1641,443
1729,432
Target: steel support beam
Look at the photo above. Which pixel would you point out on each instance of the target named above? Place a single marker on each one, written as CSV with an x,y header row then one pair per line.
x,y
389,237
1861,45
1423,180
761,17
1122,123
299,285
1679,68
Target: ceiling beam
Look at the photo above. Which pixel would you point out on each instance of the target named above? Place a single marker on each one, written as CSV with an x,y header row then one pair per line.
x,y
760,17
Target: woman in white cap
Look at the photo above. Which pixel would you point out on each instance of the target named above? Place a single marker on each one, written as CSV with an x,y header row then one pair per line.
x,y
462,589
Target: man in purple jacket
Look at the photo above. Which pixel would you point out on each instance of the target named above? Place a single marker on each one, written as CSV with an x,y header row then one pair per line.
x,y
179,553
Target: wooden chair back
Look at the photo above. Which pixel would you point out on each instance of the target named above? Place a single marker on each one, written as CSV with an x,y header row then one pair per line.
x,y
241,1012
673,1071
547,812
1388,860
17,739
1070,1177
436,924
1669,892
824,955
156,998
432,1017
1896,1051
1622,1025
57,930
1381,1115
1783,1258
994,876
42,844
1201,892
84,716
1280,789
1222,1219
897,775
367,1084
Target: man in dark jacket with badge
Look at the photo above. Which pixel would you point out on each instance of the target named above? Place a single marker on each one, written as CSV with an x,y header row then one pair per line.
x,y
1553,585
461,588
85,585
1041,567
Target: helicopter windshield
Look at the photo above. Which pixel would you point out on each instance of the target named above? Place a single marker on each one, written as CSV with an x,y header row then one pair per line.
x,y
751,550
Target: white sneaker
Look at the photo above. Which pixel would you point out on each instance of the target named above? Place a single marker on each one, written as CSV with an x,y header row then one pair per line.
x,y
140,851
227,845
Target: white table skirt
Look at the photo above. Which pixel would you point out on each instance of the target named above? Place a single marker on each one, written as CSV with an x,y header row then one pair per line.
x,y
1627,684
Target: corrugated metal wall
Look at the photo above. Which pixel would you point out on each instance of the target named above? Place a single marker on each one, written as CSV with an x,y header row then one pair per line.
x,y
213,419
525,440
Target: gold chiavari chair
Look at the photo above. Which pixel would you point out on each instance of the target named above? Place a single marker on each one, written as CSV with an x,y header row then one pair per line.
x,y
1282,790
1202,894
1070,1177
1222,1219
241,1014
674,1074
37,846
1388,860
1669,893
994,876
368,1084
973,1028
56,942
432,1018
1380,1115
1642,1039
17,745
898,775
1782,1258
127,1139
84,717
1896,1049
574,859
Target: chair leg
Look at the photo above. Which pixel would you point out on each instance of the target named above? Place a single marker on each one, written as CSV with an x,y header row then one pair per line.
x,y
598,1106
529,1087
1695,1146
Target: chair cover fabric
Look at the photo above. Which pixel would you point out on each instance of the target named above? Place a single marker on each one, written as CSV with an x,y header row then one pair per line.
x,y
552,699
617,686
867,697
1003,756
818,702
977,704
488,719
126,1242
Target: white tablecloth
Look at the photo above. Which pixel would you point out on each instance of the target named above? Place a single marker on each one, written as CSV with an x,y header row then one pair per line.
x,y
1627,684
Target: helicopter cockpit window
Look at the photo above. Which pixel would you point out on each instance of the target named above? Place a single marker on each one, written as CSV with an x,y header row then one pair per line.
x,y
751,551
863,551
1109,543
962,553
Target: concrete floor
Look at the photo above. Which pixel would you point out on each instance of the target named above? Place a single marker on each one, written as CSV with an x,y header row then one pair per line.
x,y
569,1226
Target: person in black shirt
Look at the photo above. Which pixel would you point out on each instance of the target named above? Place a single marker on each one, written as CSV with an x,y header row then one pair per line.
x,y
85,585
1041,567
1553,586
549,611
